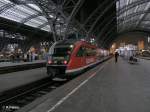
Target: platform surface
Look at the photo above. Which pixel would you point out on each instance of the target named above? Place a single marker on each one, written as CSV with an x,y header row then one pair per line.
x,y
117,87
7,64
16,79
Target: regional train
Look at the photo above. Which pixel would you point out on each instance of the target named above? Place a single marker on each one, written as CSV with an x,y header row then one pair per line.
x,y
70,57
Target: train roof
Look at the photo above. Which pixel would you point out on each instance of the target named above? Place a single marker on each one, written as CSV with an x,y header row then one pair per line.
x,y
71,42
67,42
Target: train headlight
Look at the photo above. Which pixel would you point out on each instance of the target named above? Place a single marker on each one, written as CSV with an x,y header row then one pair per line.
x,y
65,62
71,46
49,61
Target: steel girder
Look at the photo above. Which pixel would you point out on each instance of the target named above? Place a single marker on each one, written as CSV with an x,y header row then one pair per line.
x,y
145,26
61,8
134,21
22,1
69,8
109,35
13,4
31,17
74,12
71,22
94,13
88,22
123,21
10,40
47,7
128,7
105,10
64,11
18,2
144,16
43,25
105,27
6,7
94,17
128,23
103,24
136,29
132,15
1,45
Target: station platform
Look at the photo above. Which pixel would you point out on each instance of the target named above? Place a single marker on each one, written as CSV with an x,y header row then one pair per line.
x,y
8,67
109,87
146,58
7,64
16,79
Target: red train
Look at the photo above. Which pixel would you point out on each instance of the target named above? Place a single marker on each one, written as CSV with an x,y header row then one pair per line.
x,y
70,57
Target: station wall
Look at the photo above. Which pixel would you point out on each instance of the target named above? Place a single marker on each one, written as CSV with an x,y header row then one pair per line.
x,y
136,38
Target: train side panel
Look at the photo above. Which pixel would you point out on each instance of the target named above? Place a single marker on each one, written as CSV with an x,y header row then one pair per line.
x,y
79,59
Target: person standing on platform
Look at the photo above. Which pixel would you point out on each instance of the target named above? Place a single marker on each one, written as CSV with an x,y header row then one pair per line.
x,y
116,56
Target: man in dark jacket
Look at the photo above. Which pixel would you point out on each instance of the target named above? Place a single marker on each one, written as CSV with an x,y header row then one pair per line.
x,y
116,56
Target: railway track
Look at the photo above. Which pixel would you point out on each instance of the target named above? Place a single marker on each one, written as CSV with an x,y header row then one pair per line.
x,y
15,99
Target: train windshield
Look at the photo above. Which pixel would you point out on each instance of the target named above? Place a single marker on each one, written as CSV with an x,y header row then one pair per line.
x,y
62,52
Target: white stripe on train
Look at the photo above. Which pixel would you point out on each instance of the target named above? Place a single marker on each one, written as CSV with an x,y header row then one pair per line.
x,y
81,68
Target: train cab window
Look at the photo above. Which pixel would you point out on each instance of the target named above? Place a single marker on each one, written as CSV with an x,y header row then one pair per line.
x,y
81,52
63,52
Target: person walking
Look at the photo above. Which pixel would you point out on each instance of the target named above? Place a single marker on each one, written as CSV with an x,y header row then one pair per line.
x,y
116,56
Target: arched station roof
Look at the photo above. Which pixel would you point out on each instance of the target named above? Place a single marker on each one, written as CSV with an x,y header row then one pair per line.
x,y
78,15
24,12
133,15
90,17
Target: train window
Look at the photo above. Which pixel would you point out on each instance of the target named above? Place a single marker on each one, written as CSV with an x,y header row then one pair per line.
x,y
93,52
81,52
62,52
90,52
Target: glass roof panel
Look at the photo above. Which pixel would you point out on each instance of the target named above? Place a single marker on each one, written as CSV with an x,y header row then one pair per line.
x,y
20,13
142,7
6,1
122,3
1,3
46,28
37,22
40,19
147,17
35,7
32,24
12,15
25,9
145,23
130,11
131,14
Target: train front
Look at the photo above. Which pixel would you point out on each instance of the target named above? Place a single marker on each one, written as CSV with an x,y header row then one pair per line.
x,y
58,59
